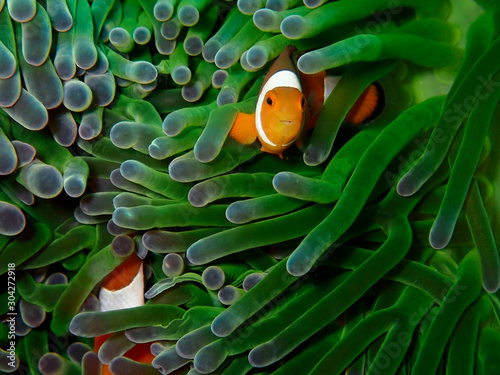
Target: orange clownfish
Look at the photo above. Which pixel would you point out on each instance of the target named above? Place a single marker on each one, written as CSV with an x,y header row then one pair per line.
x,y
289,102
124,288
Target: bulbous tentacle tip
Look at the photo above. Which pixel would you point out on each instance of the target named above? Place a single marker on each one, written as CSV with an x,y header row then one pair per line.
x,y
262,356
177,170
236,213
9,160
22,11
25,153
210,50
62,22
173,124
227,96
230,294
296,267
50,363
181,75
248,7
277,5
171,29
265,19
173,265
155,151
131,169
438,237
33,315
12,220
192,255
193,45
88,132
123,135
210,357
252,280
221,327
145,72
219,77
283,182
184,347
192,92
205,152
119,36
164,46
225,58
313,157
65,67
45,181
491,285
77,96
8,65
188,15
163,10
309,63
213,277
77,350
91,363
141,35
123,246
198,196
406,186
74,186
257,57
85,56
313,3
293,27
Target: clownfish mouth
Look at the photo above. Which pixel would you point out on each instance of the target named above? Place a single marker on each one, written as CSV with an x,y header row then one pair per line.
x,y
287,122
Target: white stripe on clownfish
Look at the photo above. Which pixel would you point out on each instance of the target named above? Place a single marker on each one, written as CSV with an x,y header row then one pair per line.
x,y
131,295
288,97
282,78
123,288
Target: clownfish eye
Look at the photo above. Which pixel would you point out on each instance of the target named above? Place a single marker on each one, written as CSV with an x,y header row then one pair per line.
x,y
269,101
303,103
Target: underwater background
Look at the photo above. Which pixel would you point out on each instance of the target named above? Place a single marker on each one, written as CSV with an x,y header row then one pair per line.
x,y
370,249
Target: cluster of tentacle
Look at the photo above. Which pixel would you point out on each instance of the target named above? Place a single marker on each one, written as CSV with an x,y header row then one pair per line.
x,y
369,250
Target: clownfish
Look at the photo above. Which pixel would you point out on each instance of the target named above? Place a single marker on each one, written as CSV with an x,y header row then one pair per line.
x,y
124,288
289,103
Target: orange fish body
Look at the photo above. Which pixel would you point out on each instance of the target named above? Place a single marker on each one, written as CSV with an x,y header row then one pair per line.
x,y
281,107
124,288
288,103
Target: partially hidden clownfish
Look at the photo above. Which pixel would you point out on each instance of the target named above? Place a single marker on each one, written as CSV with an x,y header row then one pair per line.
x,y
124,288
289,103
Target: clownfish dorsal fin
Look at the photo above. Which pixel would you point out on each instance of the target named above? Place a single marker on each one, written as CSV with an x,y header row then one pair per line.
x,y
314,107
243,130
285,61
313,85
